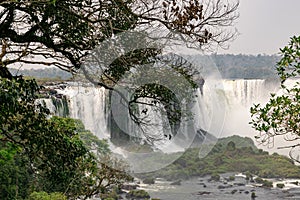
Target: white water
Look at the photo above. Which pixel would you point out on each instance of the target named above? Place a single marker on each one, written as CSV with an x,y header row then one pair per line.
x,y
88,103
240,96
223,110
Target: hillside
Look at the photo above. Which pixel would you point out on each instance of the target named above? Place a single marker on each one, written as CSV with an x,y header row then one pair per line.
x,y
231,154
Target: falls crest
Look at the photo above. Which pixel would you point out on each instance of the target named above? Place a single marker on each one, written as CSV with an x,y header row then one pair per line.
x,y
90,104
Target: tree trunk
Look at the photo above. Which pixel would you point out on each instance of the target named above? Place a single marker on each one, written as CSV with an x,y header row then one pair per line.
x,y
5,73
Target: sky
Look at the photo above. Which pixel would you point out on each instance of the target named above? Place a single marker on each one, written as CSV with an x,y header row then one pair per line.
x,y
264,26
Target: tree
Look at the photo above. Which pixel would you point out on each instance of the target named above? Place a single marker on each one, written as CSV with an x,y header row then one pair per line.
x,y
280,116
62,33
41,154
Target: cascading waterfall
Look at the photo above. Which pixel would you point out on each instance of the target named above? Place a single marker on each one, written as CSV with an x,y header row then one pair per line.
x,y
90,105
245,92
241,95
222,110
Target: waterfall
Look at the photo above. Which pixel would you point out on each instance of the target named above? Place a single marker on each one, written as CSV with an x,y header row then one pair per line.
x,y
240,95
90,104
244,92
222,110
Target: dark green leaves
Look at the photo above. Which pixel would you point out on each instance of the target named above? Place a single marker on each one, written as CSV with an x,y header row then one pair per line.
x,y
50,155
281,115
289,65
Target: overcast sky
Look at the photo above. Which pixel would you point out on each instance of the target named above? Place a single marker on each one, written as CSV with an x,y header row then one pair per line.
x,y
265,26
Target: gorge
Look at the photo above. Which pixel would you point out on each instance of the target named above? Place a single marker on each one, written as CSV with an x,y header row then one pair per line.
x,y
222,110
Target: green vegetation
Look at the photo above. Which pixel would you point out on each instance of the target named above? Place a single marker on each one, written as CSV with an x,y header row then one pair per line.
x,y
215,177
46,196
231,178
224,158
43,75
280,185
246,66
280,116
264,182
43,155
44,33
138,194
38,154
253,195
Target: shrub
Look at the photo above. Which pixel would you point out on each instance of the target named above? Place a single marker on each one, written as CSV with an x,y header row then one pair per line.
x,y
138,194
215,177
280,185
231,178
259,180
267,183
46,196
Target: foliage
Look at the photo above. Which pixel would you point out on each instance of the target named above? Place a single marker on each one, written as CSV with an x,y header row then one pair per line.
x,y
280,185
280,116
46,196
246,66
64,31
138,194
264,182
221,160
289,65
50,155
49,151
14,175
231,178
215,177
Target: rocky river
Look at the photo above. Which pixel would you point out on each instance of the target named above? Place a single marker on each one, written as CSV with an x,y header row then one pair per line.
x,y
239,189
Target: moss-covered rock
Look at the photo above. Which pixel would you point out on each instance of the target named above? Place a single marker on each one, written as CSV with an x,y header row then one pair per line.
x,y
149,181
280,185
137,194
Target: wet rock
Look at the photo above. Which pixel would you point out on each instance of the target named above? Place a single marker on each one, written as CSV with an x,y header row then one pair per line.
x,y
224,186
176,183
253,195
149,181
295,183
202,184
129,186
137,194
239,184
233,191
203,193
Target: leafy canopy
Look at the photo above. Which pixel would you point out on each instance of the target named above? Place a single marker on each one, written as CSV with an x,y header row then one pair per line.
x,y
64,31
281,115
50,155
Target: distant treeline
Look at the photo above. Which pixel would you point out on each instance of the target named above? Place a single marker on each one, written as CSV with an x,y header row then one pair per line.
x,y
246,66
230,67
43,73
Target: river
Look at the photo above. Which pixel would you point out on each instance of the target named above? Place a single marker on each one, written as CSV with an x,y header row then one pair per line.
x,y
202,188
